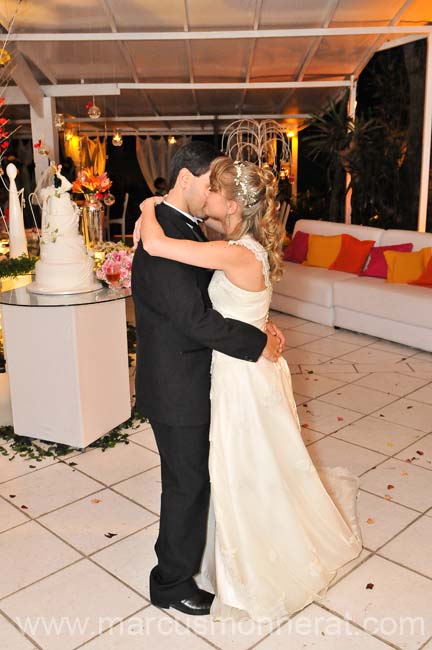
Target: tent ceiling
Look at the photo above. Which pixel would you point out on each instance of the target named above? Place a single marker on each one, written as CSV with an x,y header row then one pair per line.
x,y
91,42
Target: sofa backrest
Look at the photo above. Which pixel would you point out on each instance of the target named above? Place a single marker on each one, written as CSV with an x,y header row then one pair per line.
x,y
418,239
316,227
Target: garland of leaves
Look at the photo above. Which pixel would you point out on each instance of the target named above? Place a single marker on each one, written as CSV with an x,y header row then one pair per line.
x,y
36,450
11,268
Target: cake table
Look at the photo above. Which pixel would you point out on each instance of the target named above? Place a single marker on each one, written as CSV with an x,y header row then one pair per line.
x,y
67,361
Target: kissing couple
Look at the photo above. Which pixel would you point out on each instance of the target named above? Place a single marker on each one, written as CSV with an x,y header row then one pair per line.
x,y
269,536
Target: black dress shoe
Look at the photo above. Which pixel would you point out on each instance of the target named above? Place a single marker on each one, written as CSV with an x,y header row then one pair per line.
x,y
196,605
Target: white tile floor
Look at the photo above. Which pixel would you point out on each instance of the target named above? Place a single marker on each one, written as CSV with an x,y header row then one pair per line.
x,y
76,542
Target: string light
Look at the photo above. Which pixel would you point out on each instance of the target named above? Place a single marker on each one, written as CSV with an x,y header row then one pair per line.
x,y
59,121
117,139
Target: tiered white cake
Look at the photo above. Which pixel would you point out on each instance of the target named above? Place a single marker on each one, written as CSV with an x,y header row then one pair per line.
x,y
64,265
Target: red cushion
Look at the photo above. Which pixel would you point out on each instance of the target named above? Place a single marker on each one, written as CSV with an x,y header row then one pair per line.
x,y
298,248
352,255
425,280
377,267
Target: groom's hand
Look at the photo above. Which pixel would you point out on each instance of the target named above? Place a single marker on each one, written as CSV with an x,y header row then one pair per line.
x,y
274,329
271,350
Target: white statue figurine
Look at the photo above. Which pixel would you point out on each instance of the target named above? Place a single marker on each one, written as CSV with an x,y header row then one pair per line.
x,y
17,236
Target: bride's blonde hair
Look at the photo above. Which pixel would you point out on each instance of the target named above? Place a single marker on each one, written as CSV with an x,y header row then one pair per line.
x,y
254,189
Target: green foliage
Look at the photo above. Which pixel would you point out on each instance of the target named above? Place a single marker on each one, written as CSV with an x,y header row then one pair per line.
x,y
381,149
11,268
36,450
342,144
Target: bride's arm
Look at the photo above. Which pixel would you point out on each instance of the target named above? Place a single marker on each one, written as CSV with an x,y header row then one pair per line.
x,y
208,255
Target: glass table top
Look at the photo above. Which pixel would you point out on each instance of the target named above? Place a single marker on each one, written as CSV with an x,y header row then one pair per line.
x,y
20,297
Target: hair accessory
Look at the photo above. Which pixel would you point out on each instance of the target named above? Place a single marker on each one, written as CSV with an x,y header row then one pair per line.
x,y
245,192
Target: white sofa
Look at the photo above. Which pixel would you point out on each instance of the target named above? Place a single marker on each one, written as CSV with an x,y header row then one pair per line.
x,y
397,312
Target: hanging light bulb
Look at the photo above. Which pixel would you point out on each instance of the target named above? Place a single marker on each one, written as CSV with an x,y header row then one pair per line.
x,y
93,111
172,140
117,139
59,121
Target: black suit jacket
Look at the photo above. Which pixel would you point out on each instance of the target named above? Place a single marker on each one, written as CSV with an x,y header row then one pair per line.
x,y
177,330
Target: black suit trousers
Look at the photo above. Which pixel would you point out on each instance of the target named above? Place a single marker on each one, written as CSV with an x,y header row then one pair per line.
x,y
185,497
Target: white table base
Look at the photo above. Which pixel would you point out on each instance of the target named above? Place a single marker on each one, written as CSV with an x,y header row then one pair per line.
x,y
68,370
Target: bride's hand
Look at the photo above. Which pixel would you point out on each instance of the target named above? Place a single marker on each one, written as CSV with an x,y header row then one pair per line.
x,y
152,200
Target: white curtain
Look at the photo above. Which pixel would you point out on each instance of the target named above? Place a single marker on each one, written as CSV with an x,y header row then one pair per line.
x,y
154,156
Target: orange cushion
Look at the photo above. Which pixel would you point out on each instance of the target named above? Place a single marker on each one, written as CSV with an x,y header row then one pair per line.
x,y
425,280
323,250
406,267
352,255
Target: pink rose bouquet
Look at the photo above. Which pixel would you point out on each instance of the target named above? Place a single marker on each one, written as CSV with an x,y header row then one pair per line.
x,y
116,269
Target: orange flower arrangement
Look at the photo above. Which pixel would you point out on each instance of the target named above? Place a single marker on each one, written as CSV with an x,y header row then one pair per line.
x,y
87,182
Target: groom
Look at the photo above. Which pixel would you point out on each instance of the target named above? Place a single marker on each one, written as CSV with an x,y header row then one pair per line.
x,y
177,329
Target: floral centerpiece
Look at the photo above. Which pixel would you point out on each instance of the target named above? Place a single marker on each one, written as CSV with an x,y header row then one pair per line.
x,y
94,187
91,184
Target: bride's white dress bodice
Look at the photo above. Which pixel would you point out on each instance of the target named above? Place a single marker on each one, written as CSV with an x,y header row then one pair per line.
x,y
233,302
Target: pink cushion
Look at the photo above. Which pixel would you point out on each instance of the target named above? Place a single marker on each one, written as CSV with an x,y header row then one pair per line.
x,y
377,267
298,248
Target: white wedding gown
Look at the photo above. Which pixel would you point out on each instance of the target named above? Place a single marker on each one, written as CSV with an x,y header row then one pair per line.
x,y
276,535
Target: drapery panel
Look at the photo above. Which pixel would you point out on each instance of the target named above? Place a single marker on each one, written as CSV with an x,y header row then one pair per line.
x,y
154,156
87,152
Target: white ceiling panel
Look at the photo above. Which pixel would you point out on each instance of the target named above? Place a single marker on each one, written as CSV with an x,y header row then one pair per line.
x,y
337,57
215,62
419,12
147,15
92,61
365,12
174,102
221,14
263,101
278,59
164,61
58,15
293,13
310,100
215,102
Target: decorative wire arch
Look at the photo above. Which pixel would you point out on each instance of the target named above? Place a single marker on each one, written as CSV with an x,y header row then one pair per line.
x,y
263,143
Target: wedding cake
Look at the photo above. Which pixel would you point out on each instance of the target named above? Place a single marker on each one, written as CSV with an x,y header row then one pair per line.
x,y
64,265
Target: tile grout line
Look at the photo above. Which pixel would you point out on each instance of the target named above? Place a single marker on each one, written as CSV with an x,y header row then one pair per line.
x,y
153,523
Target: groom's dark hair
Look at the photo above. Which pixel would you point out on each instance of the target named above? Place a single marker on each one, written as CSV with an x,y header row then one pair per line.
x,y
196,156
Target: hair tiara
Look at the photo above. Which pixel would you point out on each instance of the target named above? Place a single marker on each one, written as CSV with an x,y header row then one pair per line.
x,y
245,192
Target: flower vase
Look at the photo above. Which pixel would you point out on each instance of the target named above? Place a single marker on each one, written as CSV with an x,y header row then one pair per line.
x,y
92,221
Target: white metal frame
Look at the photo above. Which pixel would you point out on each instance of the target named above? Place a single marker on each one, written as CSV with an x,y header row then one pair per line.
x,y
406,33
219,35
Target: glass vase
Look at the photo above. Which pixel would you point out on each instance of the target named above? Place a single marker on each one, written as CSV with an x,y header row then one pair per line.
x,y
92,221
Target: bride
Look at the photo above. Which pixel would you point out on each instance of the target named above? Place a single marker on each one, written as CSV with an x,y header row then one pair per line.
x,y
278,529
